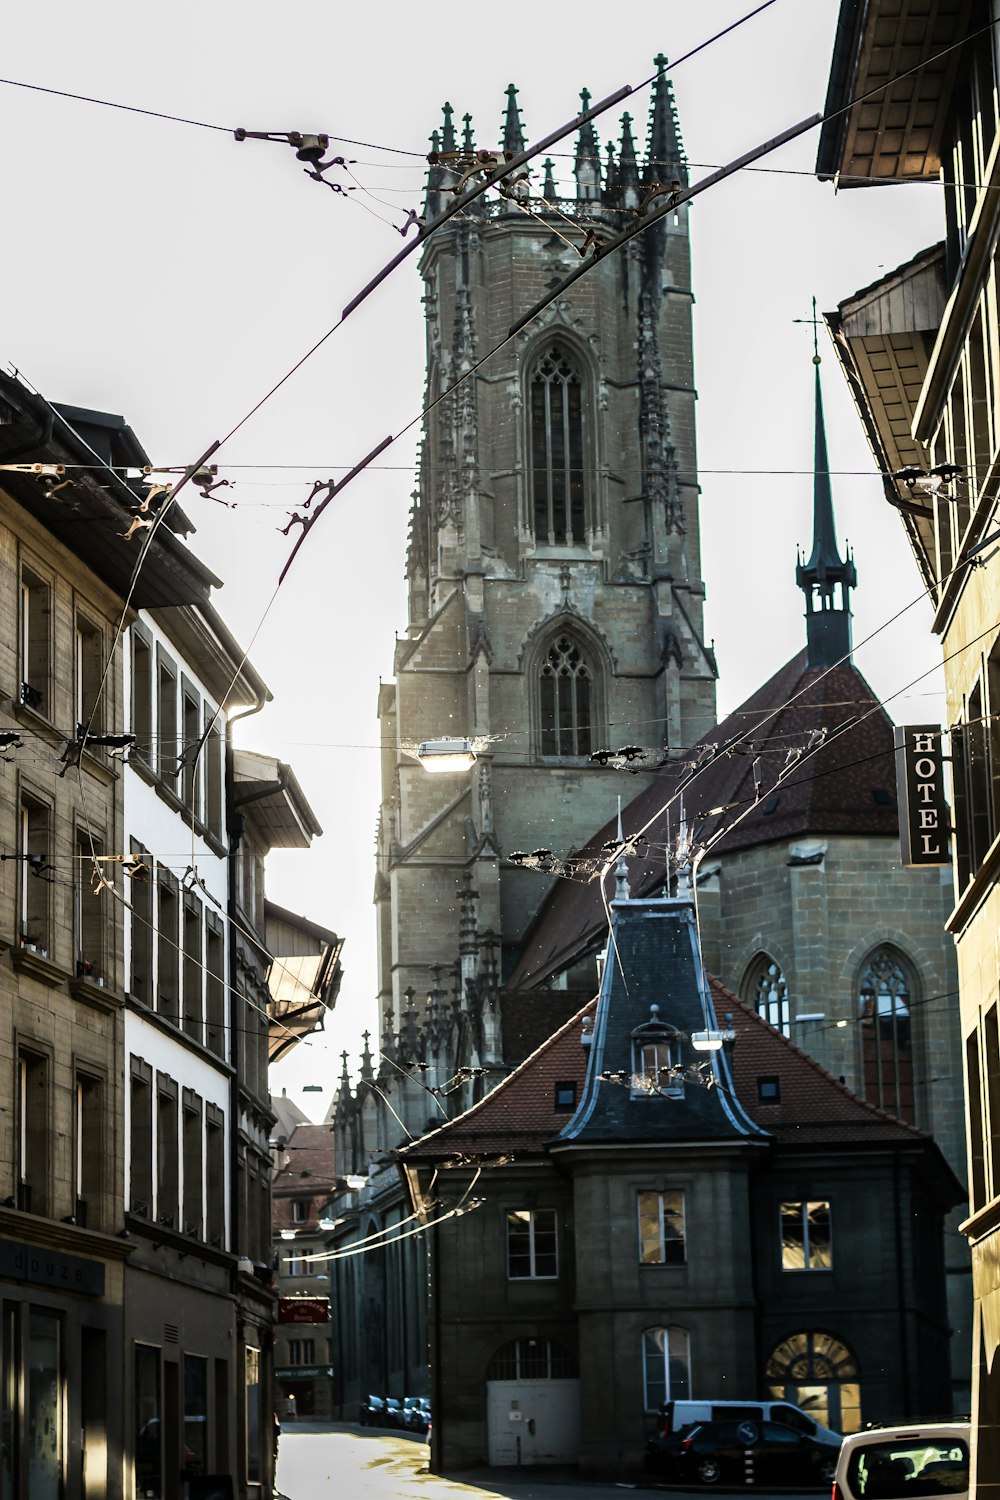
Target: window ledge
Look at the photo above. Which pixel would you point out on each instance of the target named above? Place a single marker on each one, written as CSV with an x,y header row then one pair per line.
x,y
977,889
38,967
982,1222
97,996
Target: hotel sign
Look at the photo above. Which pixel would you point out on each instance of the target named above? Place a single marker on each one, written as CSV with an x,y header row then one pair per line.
x,y
924,815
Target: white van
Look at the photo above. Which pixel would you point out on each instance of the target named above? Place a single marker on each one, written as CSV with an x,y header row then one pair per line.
x,y
892,1463
678,1414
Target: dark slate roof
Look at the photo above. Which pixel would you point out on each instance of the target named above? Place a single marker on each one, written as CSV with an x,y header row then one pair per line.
x,y
519,1117
847,786
653,982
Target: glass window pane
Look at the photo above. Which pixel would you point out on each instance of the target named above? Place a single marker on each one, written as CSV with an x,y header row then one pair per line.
x,y
650,1249
673,1228
518,1243
8,1401
195,1414
793,1249
654,1369
679,1363
253,1395
44,1406
820,1246
147,1423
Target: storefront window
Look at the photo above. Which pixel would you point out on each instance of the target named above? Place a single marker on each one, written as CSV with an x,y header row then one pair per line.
x,y
148,1443
252,1368
44,1406
195,1414
8,1402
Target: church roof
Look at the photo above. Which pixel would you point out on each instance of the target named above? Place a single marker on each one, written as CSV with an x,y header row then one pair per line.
x,y
519,1117
845,787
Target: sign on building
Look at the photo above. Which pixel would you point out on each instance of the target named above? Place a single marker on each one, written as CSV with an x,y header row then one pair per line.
x,y
303,1309
924,818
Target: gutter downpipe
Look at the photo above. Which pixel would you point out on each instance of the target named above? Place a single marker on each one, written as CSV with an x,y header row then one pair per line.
x,y
234,830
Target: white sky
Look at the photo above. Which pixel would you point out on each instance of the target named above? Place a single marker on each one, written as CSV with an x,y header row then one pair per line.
x,y
172,274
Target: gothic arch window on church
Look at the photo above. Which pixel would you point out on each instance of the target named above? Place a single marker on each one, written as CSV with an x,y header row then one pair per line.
x,y
767,991
566,689
557,450
817,1371
884,1002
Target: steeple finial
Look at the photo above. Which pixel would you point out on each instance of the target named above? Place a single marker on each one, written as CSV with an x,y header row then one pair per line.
x,y
828,621
448,129
549,186
628,167
588,156
468,143
664,152
611,179
513,132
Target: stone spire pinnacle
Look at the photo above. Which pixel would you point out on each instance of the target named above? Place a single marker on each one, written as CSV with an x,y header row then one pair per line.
x,y
513,132
828,615
448,129
549,186
588,156
611,178
628,167
664,152
468,141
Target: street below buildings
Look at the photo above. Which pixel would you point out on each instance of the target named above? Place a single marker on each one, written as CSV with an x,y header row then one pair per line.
x,y
319,1460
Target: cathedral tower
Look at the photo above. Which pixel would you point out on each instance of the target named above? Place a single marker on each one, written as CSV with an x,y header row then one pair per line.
x,y
555,592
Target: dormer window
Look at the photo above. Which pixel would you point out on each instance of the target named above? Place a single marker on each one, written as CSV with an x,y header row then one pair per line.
x,y
656,1060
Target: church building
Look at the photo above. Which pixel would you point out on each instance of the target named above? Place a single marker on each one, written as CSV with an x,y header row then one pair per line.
x,y
555,616
555,591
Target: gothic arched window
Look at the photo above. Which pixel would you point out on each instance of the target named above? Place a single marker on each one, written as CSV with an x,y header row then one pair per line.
x,y
557,471
566,699
884,999
765,989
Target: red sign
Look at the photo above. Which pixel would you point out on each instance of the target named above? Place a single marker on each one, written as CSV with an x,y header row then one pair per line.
x,y
303,1309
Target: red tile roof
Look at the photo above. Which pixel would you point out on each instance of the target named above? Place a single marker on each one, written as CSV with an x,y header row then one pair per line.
x,y
846,786
306,1171
519,1117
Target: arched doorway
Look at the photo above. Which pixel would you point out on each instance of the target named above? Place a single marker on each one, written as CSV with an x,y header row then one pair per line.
x,y
820,1374
532,1404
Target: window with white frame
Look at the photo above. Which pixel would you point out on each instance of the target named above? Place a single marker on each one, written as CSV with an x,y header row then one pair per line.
x,y
36,637
806,1238
532,1244
296,1263
661,1228
666,1366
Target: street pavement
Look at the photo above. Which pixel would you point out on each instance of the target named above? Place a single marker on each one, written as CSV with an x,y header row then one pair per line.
x,y
319,1460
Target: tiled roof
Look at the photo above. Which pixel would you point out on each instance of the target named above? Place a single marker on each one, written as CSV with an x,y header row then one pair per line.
x,y
847,786
307,1171
519,1117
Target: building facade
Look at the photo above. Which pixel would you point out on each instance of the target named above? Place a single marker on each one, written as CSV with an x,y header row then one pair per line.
x,y
136,1339
627,1220
919,349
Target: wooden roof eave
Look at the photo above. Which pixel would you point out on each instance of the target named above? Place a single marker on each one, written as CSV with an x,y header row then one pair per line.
x,y
894,135
891,450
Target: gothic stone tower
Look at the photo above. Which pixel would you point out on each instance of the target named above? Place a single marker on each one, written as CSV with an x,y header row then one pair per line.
x,y
555,593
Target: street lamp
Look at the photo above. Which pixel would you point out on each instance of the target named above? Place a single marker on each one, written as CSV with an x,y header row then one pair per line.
x,y
712,1041
446,755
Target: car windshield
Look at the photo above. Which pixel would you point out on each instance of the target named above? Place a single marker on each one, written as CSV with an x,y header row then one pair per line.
x,y
897,1469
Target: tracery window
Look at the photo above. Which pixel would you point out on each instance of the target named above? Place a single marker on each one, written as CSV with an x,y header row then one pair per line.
x,y
884,1003
566,691
767,992
557,474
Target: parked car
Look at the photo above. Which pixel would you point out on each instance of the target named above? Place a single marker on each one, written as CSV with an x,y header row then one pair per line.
x,y
392,1412
676,1415
371,1412
894,1463
744,1452
417,1413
